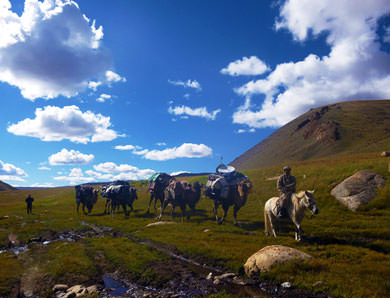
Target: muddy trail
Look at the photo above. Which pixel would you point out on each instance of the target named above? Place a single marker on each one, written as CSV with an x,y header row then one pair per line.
x,y
192,277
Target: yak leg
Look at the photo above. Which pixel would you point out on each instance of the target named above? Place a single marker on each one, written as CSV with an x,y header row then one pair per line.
x,y
235,210
78,206
124,209
215,209
183,211
85,213
225,211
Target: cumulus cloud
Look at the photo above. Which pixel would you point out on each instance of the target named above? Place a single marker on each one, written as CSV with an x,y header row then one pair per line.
x,y
356,67
10,172
72,157
187,84
198,112
75,176
111,171
103,97
187,150
114,77
247,66
56,124
52,49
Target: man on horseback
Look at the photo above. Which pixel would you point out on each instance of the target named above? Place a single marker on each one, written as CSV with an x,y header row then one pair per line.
x,y
286,187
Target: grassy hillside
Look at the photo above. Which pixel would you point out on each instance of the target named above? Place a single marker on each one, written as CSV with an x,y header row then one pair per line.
x,y
5,186
342,128
350,249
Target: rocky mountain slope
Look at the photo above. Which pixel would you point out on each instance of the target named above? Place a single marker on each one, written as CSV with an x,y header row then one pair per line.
x,y
342,128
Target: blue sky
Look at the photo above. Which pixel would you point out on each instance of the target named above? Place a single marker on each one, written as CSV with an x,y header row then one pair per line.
x,y
102,90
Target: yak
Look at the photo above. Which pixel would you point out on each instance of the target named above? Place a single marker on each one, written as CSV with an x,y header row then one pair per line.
x,y
86,196
119,195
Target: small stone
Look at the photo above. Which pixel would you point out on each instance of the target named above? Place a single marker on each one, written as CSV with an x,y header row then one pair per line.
x,y
217,281
225,276
206,230
318,283
60,287
286,285
28,293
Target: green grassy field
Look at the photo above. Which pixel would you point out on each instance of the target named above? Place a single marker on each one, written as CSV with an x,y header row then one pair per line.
x,y
350,249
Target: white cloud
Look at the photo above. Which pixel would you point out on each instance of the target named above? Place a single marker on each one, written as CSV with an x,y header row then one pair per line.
x,y
125,147
246,66
56,124
75,176
161,144
187,84
9,172
51,50
42,185
44,169
112,171
103,97
198,112
114,77
178,173
355,68
72,157
187,150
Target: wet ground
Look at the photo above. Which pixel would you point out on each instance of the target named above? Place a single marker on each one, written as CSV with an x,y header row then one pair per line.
x,y
191,278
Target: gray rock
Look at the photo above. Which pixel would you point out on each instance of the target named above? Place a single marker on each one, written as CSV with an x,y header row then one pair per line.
x,y
269,256
358,189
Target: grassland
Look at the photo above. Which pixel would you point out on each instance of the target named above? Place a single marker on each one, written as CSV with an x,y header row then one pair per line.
x,y
350,249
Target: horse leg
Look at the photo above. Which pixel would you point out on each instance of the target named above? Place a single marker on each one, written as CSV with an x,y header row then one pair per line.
x,y
78,206
150,203
173,206
266,223
124,209
270,218
85,213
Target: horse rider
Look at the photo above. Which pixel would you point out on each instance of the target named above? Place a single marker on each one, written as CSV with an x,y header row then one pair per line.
x,y
286,187
29,201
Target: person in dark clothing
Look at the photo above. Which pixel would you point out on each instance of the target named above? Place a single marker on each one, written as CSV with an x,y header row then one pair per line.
x,y
29,201
286,186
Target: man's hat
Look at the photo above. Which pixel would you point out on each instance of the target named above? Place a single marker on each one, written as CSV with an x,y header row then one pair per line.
x,y
286,168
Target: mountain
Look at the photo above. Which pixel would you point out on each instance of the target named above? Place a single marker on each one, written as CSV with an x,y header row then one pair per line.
x,y
5,186
336,129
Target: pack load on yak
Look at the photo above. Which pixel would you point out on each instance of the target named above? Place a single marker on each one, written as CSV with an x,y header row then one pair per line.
x,y
218,184
159,181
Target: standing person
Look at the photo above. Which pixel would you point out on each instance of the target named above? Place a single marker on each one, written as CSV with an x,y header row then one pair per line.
x,y
286,187
29,201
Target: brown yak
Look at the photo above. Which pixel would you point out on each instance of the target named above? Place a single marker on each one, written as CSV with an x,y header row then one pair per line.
x,y
181,193
237,196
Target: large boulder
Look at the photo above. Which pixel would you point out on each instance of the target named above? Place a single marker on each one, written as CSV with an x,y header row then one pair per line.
x,y
358,189
269,256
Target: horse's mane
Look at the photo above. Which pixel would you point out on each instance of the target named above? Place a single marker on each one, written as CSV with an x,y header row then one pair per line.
x,y
300,194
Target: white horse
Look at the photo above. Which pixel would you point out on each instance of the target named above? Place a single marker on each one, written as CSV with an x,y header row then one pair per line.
x,y
296,211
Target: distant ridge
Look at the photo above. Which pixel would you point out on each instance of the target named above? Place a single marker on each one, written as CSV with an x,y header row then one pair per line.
x,y
4,186
336,129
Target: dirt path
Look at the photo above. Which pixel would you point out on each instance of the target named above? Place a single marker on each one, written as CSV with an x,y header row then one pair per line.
x,y
191,278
